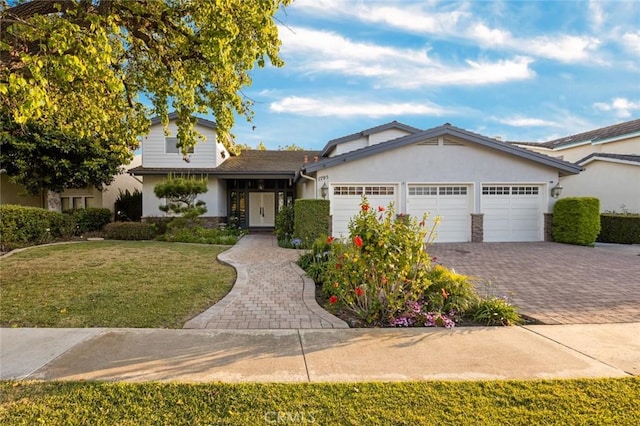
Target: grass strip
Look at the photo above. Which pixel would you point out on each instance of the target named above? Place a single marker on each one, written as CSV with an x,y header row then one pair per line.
x,y
111,284
592,401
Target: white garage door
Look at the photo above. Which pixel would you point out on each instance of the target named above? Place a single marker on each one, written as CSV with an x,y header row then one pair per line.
x,y
346,199
451,202
512,212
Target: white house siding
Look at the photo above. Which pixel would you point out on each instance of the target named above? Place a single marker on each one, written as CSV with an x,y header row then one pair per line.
x,y
372,139
614,184
467,165
206,153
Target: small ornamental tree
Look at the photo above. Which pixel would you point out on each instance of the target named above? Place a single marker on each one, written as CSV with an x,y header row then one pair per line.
x,y
181,194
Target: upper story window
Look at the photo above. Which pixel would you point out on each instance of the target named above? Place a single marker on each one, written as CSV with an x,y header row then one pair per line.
x,y
171,146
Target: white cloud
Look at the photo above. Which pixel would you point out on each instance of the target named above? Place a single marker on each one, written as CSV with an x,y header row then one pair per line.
x,y
622,107
316,51
520,121
597,15
346,107
631,41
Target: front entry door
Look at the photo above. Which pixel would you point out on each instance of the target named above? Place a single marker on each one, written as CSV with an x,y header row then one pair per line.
x,y
262,211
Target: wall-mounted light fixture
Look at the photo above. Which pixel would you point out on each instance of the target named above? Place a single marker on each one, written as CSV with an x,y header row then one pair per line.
x,y
556,190
324,191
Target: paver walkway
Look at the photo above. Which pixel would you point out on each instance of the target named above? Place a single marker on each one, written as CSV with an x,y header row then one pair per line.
x,y
271,291
555,283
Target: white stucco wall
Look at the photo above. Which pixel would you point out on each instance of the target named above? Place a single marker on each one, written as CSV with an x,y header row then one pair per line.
x,y
469,164
206,153
215,198
372,139
614,184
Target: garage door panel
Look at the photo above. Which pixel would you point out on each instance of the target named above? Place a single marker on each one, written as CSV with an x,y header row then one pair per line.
x,y
512,212
345,206
450,202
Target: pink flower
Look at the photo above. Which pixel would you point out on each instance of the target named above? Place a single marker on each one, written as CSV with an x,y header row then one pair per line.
x,y
333,299
357,240
359,291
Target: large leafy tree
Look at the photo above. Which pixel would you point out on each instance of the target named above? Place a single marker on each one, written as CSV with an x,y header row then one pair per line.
x,y
85,67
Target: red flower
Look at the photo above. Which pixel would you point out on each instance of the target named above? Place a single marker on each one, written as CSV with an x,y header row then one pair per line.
x,y
384,280
330,240
380,208
357,240
444,293
365,207
338,266
359,291
333,299
422,223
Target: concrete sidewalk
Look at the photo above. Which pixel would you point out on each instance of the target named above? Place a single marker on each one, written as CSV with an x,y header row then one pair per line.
x,y
330,355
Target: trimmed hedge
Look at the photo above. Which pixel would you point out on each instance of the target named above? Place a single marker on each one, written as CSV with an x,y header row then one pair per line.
x,y
311,220
619,228
91,219
22,226
576,220
130,231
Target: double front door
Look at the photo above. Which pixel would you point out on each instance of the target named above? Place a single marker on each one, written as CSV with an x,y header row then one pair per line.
x,y
262,209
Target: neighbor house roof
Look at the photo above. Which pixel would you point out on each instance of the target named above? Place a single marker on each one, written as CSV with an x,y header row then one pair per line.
x,y
604,134
392,125
275,164
173,115
444,130
618,158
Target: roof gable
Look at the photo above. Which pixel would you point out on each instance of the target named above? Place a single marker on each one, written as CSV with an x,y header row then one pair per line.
x,y
614,158
330,146
199,121
444,131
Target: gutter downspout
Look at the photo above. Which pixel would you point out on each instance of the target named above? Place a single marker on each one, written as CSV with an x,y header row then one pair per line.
x,y
315,183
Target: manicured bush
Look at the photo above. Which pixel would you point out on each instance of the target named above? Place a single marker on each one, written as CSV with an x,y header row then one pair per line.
x,y
284,225
22,226
619,228
311,220
201,235
91,219
130,231
576,220
128,205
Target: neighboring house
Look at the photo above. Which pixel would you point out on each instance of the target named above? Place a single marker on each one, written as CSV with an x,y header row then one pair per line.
x,y
484,189
610,157
80,198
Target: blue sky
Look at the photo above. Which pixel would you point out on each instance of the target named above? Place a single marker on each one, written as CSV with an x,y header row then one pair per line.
x,y
521,70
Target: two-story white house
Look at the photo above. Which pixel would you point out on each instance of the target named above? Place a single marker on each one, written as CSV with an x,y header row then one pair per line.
x,y
483,189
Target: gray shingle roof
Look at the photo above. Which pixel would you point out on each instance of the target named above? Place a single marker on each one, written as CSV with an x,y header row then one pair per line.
x,y
622,157
445,130
601,134
391,125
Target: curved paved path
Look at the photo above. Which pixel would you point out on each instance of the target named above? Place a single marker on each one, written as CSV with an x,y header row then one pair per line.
x,y
270,292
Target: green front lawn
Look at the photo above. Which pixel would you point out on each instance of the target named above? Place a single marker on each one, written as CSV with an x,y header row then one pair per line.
x,y
562,402
111,284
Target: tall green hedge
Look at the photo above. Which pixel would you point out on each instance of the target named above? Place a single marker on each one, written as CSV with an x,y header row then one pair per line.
x,y
576,220
619,228
22,226
311,220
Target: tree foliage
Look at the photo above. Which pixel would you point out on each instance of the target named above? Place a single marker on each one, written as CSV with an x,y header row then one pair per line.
x,y
41,158
84,67
181,194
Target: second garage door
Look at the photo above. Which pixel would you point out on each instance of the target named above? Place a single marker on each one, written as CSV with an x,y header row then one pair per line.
x,y
512,212
346,199
451,202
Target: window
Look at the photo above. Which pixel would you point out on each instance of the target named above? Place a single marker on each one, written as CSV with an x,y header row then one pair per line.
x,y
171,146
437,190
363,190
510,190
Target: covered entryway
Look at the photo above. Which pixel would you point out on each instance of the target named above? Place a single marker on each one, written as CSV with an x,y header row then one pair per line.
x,y
262,209
451,202
346,199
512,212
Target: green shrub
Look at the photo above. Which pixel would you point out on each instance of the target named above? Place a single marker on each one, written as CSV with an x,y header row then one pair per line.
x,y
311,220
181,195
619,228
284,224
201,235
130,231
314,263
22,226
128,205
161,224
576,220
91,219
494,310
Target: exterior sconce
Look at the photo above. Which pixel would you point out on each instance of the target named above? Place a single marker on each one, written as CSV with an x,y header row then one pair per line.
x,y
260,184
324,191
556,190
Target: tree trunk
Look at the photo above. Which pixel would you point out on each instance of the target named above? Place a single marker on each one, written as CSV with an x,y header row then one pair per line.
x,y
54,202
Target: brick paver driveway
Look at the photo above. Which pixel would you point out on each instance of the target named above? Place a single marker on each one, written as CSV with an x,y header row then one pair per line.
x,y
554,283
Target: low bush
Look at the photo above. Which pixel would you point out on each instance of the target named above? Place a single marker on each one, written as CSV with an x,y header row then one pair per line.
x,y
576,220
91,219
201,235
619,228
284,225
22,226
311,220
494,310
134,231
